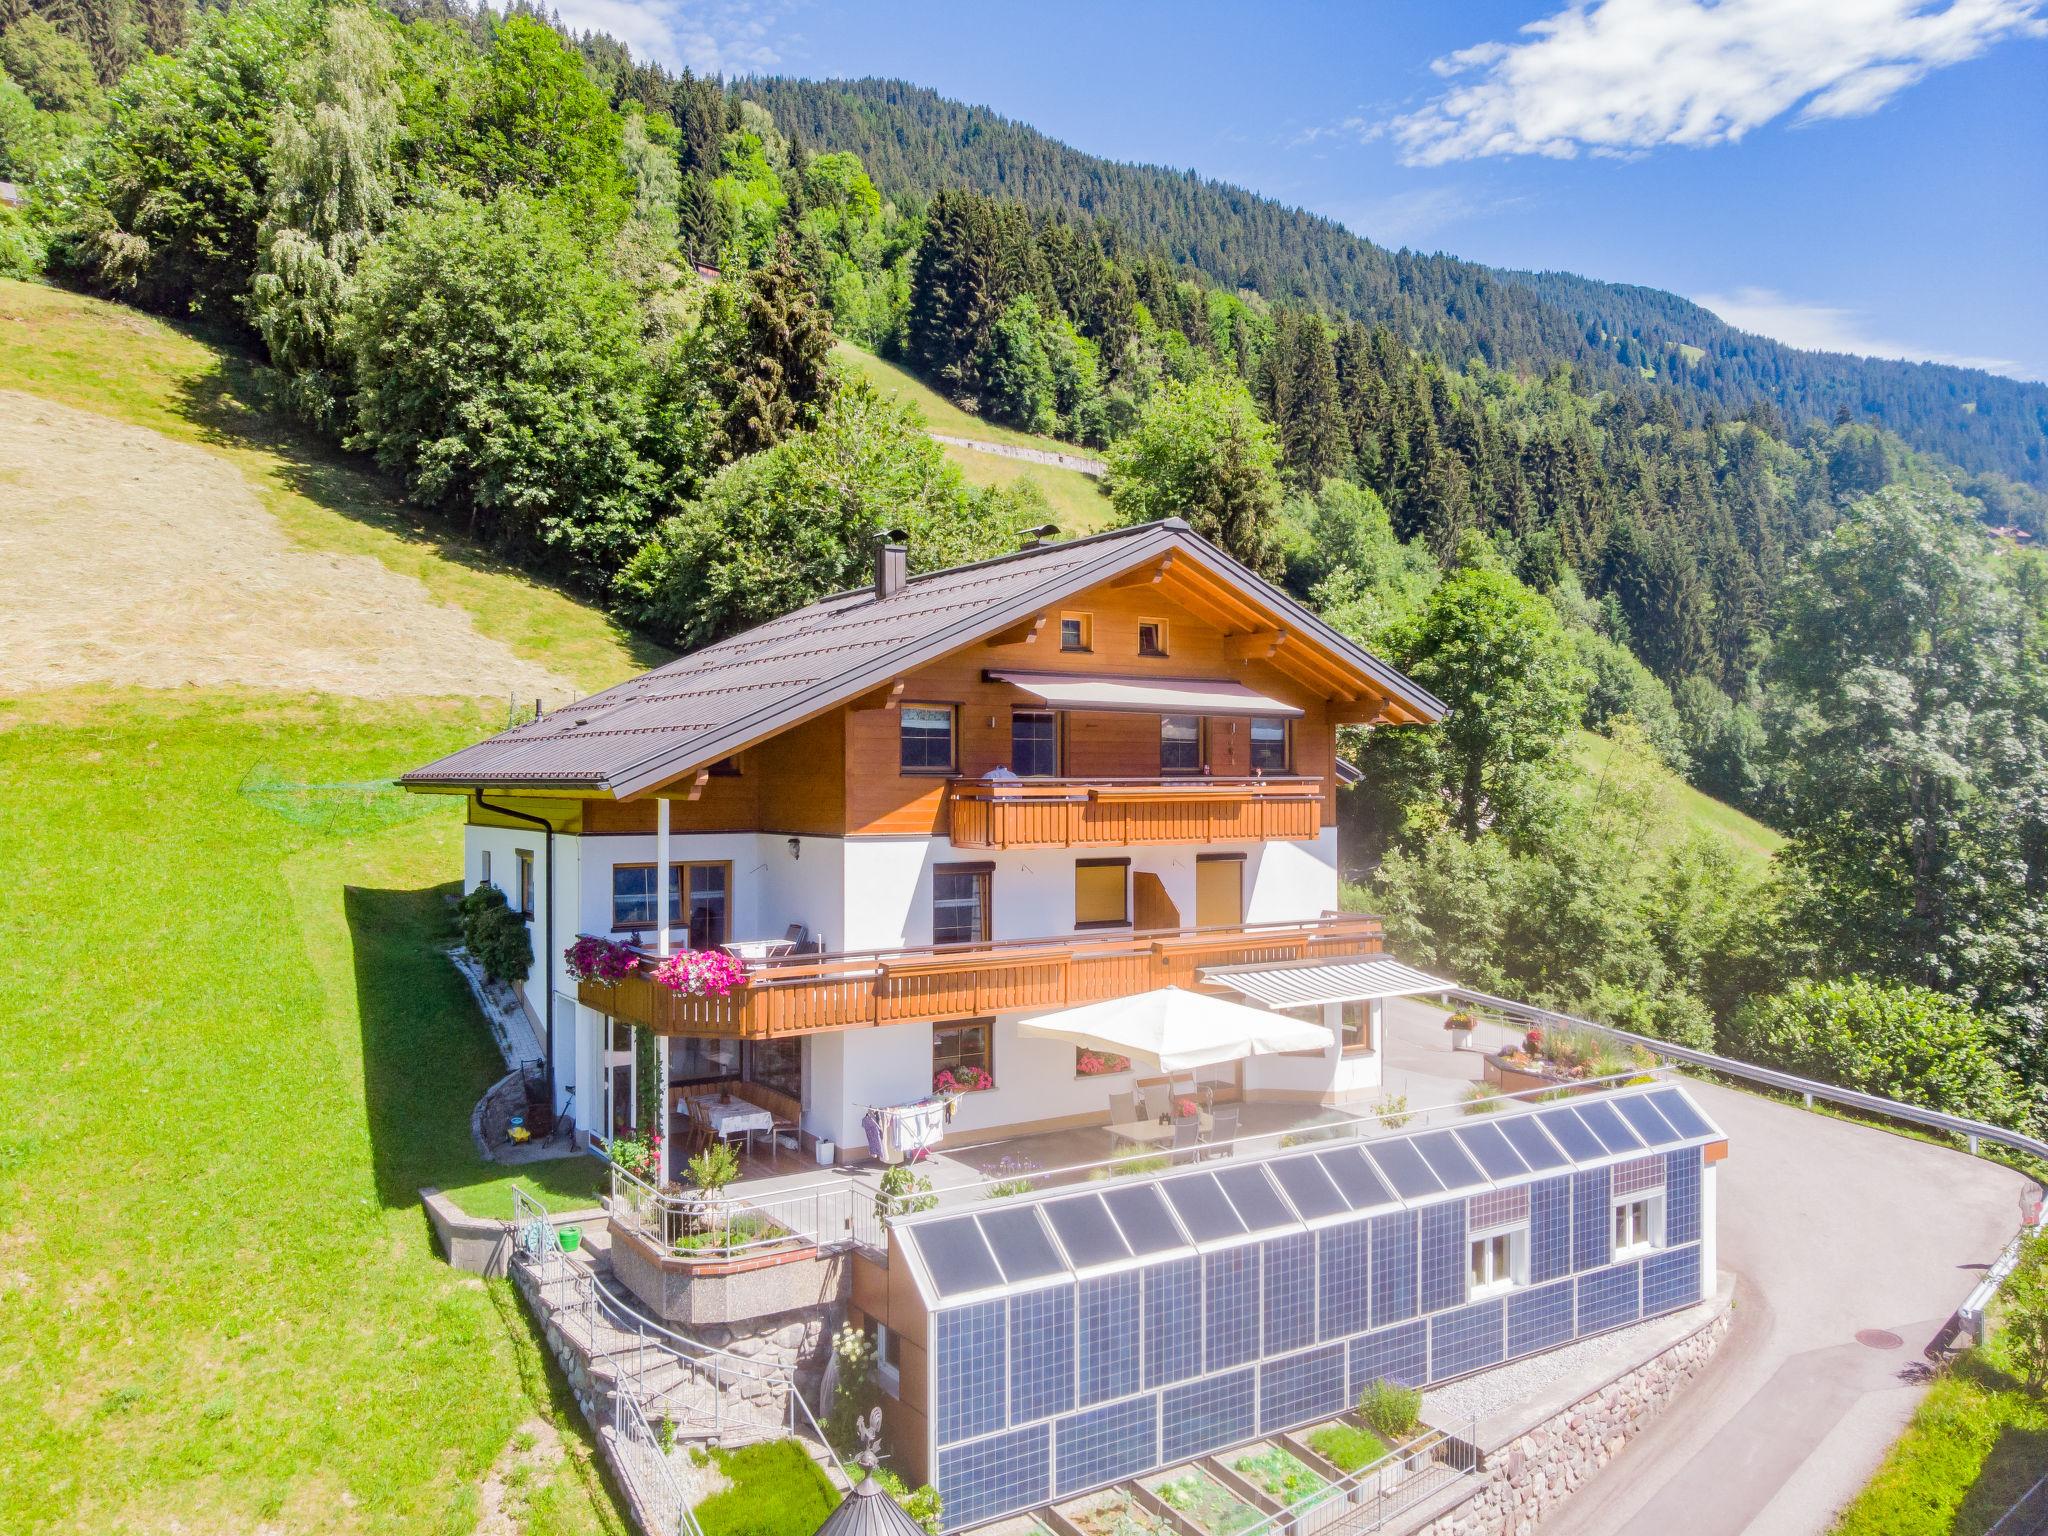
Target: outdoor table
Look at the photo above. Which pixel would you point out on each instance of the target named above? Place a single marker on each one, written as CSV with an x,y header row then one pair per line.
x,y
734,1118
1154,1133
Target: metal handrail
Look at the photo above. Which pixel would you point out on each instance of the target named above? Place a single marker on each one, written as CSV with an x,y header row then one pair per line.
x,y
1387,1483
1971,1131
785,1208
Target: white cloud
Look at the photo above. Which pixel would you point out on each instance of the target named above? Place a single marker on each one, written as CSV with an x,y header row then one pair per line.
x,y
1621,77
1828,328
722,37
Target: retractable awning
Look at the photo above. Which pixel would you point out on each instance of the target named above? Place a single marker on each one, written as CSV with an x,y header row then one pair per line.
x,y
1305,983
1174,1030
1145,695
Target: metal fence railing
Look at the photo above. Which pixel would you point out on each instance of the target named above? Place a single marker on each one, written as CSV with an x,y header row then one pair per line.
x,y
1367,1499
738,1222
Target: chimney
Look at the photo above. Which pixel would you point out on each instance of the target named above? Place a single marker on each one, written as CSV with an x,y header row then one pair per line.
x,y
892,562
1044,533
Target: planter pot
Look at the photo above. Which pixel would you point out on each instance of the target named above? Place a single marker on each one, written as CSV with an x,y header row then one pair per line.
x,y
1461,1039
572,1239
1510,1078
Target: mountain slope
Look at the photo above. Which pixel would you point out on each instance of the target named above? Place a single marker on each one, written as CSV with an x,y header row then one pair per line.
x,y
914,141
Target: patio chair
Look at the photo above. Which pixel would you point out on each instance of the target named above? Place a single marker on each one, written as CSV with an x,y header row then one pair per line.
x,y
798,938
1222,1131
1123,1107
1187,1139
1158,1100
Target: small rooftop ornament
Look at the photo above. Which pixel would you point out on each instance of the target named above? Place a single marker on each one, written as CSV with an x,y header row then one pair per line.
x,y
868,1510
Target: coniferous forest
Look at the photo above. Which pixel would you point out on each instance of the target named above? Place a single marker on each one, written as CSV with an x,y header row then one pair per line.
x,y
585,308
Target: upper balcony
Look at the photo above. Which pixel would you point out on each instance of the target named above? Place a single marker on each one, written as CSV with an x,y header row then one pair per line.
x,y
805,994
1079,813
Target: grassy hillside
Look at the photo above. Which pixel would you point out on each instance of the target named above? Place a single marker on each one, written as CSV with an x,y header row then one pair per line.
x,y
1686,810
236,1051
1077,502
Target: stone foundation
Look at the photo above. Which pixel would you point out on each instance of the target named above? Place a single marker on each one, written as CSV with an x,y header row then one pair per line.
x,y
1529,1476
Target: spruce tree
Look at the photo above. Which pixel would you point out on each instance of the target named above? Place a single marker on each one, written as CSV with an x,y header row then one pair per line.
x,y
774,343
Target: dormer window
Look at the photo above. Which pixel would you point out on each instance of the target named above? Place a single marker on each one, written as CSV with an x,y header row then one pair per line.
x,y
1151,637
1077,632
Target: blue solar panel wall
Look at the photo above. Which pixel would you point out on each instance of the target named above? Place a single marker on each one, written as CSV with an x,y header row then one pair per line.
x,y
1068,1384
971,1356
1301,1387
991,1477
1109,1337
1443,1255
1041,1353
1682,1197
1393,1268
1173,1322
1290,1292
1550,1229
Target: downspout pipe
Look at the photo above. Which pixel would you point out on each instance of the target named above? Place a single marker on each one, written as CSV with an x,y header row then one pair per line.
x,y
547,930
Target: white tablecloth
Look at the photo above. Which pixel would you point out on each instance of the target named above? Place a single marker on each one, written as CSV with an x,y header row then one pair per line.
x,y
732,1119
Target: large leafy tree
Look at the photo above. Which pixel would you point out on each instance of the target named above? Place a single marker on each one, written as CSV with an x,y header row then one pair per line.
x,y
541,126
502,373
1497,654
1915,754
1200,451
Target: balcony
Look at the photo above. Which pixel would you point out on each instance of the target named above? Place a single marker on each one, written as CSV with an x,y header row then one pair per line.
x,y
1080,813
806,994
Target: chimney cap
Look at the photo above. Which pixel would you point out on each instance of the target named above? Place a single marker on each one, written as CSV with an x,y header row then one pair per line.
x,y
893,536
1043,533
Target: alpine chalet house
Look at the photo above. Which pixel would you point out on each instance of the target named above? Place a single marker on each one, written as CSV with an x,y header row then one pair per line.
x,y
923,812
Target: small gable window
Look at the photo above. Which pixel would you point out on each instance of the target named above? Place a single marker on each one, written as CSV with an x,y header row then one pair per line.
x,y
1151,637
1077,632
927,738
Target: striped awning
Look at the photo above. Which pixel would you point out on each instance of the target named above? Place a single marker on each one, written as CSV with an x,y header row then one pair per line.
x,y
1304,983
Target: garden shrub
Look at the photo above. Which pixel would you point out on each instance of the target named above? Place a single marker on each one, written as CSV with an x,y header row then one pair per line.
x,y
1391,1409
495,934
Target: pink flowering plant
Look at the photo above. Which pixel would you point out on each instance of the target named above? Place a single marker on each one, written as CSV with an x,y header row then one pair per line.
x,y
965,1080
638,1154
1089,1063
1184,1109
591,958
702,973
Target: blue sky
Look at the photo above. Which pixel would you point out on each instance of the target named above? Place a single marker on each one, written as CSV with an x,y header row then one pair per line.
x,y
1866,175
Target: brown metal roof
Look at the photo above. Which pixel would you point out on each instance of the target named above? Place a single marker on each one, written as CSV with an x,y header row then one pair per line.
x,y
712,702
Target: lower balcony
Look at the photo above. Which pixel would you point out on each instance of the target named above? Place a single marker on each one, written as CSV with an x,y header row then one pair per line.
x,y
803,994
1073,813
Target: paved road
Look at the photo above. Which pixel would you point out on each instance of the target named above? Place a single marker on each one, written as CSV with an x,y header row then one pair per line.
x,y
1831,1229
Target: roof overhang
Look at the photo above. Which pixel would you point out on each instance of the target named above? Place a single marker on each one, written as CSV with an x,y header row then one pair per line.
x,y
1145,695
1309,983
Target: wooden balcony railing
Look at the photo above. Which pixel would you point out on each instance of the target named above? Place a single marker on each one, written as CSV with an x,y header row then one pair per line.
x,y
805,994
1070,813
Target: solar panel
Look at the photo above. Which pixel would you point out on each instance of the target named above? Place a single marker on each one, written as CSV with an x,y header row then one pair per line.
x,y
1405,1169
1309,1187
1604,1123
1148,1225
957,1257
1527,1138
1496,1156
1569,1132
1356,1179
1017,1238
1677,1108
1198,1200
1257,1201
1085,1230
1641,1114
1449,1160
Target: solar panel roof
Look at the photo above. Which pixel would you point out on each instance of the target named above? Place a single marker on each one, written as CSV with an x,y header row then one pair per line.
x,y
1148,1220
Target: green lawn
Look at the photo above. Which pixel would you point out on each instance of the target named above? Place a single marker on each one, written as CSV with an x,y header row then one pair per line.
x,y
1978,1442
777,1490
1075,500
233,1056
941,414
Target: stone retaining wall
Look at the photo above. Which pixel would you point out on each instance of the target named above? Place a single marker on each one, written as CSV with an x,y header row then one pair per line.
x,y
1528,1477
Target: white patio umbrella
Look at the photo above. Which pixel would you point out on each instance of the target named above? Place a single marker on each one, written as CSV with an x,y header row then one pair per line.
x,y
1174,1030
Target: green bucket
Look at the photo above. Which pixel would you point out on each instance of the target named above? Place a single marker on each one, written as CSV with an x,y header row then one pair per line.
x,y
572,1239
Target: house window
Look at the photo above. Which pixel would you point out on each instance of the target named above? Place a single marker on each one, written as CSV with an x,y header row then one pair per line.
x,y
960,903
1272,747
1034,743
633,896
526,882
1180,743
486,879
1077,632
1151,637
1356,1026
963,1057
776,1064
1638,1224
1102,893
700,900
1497,1261
700,1059
889,1358
927,738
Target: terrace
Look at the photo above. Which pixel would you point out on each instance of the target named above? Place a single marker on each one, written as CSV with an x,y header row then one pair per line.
x,y
1074,813
801,994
